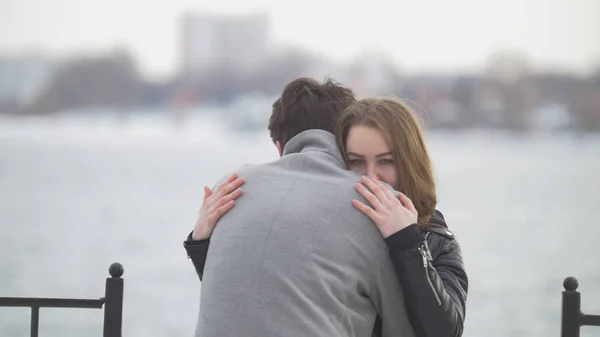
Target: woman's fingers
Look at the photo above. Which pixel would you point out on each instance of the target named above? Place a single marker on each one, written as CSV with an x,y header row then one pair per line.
x,y
226,182
230,179
227,198
224,204
207,192
375,188
406,202
232,185
386,190
371,198
395,214
215,204
365,209
222,210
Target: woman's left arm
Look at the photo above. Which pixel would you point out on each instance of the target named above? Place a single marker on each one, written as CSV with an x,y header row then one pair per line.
x,y
434,279
214,205
197,250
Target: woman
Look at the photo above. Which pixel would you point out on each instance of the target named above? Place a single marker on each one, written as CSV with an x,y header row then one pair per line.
x,y
381,139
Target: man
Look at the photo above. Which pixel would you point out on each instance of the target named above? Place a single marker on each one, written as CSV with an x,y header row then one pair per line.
x,y
293,257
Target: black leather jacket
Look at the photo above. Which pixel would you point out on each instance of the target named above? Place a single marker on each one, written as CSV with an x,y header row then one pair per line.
x,y
429,265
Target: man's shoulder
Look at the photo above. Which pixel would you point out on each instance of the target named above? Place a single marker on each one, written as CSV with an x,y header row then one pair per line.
x,y
248,167
309,171
241,171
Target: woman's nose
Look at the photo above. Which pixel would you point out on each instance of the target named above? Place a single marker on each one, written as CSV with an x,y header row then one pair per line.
x,y
372,173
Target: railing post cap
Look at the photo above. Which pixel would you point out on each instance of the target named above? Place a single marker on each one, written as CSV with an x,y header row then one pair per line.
x,y
571,283
116,270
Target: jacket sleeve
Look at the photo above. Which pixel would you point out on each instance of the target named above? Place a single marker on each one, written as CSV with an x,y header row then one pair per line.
x,y
435,282
197,251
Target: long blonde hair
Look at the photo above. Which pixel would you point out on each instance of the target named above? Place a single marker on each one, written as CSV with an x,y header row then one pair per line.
x,y
402,131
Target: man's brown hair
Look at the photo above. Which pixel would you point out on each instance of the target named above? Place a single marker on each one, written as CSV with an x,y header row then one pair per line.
x,y
306,104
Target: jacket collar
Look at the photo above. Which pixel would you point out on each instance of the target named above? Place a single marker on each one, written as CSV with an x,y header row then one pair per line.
x,y
314,140
437,218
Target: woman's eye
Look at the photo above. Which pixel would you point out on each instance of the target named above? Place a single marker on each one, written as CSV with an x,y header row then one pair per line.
x,y
355,162
386,161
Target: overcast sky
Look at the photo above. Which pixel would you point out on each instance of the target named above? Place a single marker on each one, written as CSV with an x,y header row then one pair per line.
x,y
443,35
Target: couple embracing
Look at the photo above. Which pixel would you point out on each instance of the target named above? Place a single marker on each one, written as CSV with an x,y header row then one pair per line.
x,y
338,237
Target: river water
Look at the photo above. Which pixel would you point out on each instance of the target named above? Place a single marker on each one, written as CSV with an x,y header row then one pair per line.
x,y
78,193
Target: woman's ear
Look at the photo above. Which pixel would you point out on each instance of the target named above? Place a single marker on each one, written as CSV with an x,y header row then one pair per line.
x,y
279,148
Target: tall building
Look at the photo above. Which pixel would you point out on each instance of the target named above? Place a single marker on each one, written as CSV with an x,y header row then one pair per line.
x,y
23,77
235,42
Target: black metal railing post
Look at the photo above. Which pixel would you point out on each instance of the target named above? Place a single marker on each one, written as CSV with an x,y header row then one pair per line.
x,y
571,308
572,317
113,302
35,321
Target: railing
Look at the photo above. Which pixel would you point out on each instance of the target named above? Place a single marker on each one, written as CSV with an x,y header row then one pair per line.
x,y
572,317
112,302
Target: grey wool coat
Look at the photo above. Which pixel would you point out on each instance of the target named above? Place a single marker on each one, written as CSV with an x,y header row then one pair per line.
x,y
294,258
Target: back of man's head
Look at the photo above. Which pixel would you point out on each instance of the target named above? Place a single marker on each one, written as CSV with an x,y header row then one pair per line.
x,y
306,104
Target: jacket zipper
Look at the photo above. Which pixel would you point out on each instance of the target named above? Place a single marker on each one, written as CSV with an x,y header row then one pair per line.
x,y
424,250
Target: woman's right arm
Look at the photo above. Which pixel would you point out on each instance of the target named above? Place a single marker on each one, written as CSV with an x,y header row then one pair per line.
x,y
214,205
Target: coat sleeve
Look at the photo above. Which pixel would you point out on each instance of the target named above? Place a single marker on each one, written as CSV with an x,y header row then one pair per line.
x,y
389,300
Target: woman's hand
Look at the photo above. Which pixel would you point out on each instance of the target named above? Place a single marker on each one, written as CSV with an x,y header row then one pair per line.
x,y
216,204
390,214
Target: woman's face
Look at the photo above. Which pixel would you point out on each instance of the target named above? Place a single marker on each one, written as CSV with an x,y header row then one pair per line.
x,y
369,154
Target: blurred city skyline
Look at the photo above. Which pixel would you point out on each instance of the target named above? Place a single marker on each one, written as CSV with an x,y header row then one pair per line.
x,y
530,65
425,36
